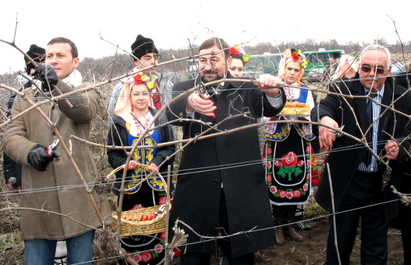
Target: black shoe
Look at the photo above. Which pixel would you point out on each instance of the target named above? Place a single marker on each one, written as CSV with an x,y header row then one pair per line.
x,y
60,261
223,261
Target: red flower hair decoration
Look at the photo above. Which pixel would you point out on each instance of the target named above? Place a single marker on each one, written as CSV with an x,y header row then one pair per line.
x,y
298,56
237,50
140,78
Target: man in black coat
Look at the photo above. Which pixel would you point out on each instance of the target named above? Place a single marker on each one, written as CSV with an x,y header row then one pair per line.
x,y
12,170
221,187
359,186
403,220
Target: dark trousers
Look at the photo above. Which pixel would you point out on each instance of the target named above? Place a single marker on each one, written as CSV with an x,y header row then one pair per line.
x,y
364,191
403,220
405,215
194,258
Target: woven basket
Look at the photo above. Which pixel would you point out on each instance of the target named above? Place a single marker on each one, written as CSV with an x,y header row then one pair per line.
x,y
130,226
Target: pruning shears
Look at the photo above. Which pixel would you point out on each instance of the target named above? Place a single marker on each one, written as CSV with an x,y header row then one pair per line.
x,y
204,95
51,148
338,134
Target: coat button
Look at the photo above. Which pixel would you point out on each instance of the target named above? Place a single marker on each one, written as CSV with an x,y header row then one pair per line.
x,y
215,181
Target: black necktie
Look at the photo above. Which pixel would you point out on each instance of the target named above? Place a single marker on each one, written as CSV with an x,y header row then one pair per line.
x,y
368,156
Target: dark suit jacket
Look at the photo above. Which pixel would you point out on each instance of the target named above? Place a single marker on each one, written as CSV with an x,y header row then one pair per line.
x,y
208,162
347,153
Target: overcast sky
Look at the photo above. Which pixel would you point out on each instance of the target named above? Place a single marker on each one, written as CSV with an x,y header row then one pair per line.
x,y
175,23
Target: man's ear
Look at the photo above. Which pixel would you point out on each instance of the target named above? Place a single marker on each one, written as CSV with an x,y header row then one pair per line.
x,y
229,60
137,63
76,62
389,70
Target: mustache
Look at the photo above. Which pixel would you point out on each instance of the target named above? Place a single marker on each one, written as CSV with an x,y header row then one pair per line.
x,y
371,78
211,71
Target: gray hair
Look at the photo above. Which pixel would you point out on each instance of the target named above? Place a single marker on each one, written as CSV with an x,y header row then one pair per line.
x,y
376,47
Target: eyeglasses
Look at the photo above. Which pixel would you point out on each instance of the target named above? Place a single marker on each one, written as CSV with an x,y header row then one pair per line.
x,y
367,69
142,94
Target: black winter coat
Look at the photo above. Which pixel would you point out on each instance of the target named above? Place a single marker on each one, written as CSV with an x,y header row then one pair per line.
x,y
232,160
118,157
404,79
345,162
11,168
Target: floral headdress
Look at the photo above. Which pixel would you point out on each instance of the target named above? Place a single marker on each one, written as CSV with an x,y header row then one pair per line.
x,y
296,56
141,78
237,50
123,106
292,55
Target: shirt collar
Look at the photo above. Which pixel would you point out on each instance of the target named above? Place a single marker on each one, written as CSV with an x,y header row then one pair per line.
x,y
380,92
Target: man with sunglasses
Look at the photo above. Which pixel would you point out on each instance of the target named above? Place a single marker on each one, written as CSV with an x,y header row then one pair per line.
x,y
361,181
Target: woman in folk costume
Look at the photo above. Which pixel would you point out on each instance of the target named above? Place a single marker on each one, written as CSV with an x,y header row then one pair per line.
x,y
287,150
132,116
239,60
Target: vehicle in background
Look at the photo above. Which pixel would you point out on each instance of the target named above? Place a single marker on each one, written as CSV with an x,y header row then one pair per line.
x,y
266,63
322,58
315,75
398,68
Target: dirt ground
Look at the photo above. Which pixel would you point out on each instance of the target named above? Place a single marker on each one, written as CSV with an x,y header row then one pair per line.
x,y
310,251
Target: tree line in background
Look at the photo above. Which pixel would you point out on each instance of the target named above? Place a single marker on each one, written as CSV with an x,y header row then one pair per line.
x,y
112,66
109,67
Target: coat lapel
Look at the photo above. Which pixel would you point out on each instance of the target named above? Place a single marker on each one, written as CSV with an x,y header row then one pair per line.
x,y
387,99
360,104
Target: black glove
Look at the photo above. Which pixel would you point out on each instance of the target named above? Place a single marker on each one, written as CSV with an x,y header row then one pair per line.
x,y
39,158
46,74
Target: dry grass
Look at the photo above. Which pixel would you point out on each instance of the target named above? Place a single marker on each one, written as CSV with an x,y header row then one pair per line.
x,y
11,245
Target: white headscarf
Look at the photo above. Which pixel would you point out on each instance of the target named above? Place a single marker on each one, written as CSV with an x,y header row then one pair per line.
x,y
123,107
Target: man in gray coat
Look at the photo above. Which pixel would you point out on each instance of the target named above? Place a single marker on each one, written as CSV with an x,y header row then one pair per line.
x,y
60,206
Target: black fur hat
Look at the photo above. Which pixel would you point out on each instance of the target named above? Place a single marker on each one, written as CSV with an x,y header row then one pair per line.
x,y
142,46
37,54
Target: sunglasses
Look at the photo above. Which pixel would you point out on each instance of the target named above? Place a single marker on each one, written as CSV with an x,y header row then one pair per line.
x,y
367,69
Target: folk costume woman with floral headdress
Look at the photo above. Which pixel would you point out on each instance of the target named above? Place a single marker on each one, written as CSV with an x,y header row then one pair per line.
x,y
287,150
239,60
132,122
